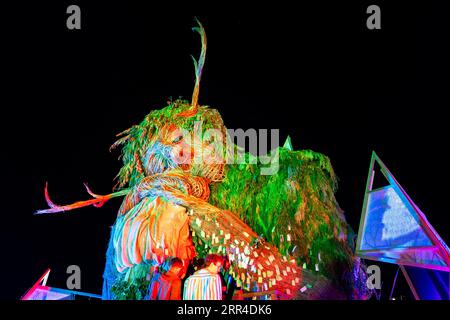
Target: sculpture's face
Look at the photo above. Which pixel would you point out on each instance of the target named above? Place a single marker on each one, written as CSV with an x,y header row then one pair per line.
x,y
166,141
202,153
160,153
192,148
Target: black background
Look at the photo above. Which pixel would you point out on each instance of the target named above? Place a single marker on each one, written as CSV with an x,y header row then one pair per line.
x,y
313,71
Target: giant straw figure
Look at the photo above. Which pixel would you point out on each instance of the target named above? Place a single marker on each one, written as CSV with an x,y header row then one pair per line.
x,y
275,230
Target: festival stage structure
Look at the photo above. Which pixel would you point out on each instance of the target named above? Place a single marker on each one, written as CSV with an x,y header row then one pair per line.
x,y
283,234
394,230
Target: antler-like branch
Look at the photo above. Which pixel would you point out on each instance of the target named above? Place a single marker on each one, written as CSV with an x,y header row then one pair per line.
x,y
198,65
97,201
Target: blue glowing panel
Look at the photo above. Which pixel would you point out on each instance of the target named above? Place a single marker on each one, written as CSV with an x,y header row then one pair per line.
x,y
430,284
390,223
47,293
429,258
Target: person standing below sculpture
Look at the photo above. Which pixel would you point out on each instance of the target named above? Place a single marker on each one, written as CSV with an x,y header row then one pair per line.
x,y
165,283
205,284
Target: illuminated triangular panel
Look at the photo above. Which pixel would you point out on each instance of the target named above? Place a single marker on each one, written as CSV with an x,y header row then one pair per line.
x,y
390,223
394,230
288,144
39,291
427,284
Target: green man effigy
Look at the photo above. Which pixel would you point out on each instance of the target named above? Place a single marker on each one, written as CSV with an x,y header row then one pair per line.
x,y
282,233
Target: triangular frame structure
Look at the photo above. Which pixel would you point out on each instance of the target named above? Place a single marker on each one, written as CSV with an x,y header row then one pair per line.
x,y
40,291
288,144
427,284
401,255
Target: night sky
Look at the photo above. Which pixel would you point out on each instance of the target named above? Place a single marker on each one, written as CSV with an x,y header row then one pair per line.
x,y
314,72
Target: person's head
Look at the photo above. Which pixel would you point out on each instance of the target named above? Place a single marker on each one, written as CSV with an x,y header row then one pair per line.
x,y
226,263
172,265
213,263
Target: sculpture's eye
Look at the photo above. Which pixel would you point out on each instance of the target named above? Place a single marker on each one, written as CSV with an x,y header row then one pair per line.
x,y
177,139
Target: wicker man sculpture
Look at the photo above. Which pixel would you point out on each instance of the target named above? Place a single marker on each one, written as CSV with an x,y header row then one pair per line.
x,y
283,234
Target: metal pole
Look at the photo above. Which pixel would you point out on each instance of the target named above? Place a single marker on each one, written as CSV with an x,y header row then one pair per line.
x,y
393,284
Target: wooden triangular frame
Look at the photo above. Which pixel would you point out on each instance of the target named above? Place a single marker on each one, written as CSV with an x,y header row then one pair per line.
x,y
437,243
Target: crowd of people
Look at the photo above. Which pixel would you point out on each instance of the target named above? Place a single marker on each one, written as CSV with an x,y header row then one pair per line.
x,y
211,281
